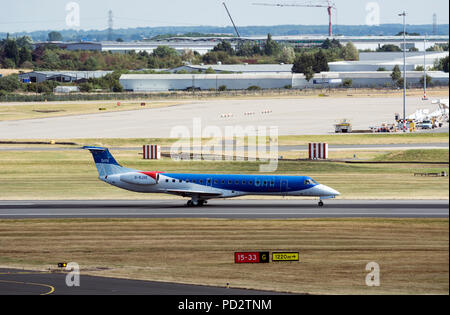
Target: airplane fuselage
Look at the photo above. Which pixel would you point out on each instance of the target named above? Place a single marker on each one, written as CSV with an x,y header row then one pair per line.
x,y
201,187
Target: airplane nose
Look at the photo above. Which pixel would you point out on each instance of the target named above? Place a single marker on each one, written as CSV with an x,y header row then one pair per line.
x,y
330,191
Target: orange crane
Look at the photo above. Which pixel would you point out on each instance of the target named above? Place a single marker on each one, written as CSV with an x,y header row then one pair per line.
x,y
310,4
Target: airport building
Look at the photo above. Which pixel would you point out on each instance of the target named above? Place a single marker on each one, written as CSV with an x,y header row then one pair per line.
x,y
376,61
171,82
236,68
204,44
61,76
242,81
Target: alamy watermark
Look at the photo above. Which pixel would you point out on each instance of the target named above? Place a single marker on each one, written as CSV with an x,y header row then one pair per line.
x,y
373,14
73,275
230,143
373,277
73,14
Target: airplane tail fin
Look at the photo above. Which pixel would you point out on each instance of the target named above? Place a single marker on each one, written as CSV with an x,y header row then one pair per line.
x,y
105,162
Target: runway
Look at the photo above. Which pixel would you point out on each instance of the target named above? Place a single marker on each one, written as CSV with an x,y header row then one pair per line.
x,y
228,209
22,282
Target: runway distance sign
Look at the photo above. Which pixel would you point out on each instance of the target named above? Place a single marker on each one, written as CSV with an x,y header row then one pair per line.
x,y
286,256
251,257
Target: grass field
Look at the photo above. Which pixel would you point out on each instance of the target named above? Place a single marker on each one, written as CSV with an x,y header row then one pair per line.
x,y
72,175
55,109
412,253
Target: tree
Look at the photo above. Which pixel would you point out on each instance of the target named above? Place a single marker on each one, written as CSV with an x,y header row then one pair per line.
x,y
442,64
396,73
11,51
350,52
9,83
187,55
24,55
213,57
247,49
389,48
54,37
86,87
271,47
320,62
328,44
287,55
50,59
429,80
304,63
347,83
164,52
91,64
224,46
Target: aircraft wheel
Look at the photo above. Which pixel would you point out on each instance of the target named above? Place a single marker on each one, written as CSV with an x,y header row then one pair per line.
x,y
320,203
189,203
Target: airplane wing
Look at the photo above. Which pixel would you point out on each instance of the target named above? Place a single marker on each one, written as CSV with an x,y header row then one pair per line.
x,y
192,193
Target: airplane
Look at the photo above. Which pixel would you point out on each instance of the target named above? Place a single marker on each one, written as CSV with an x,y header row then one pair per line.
x,y
202,187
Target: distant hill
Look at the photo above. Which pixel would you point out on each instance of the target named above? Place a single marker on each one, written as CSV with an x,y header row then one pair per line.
x,y
148,32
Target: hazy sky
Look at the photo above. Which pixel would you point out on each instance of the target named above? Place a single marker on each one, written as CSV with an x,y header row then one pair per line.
x,y
31,15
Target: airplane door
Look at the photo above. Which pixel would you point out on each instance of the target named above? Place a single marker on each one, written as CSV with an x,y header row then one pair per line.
x,y
284,186
209,182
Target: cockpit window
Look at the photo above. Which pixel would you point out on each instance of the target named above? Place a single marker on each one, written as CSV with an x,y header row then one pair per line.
x,y
310,181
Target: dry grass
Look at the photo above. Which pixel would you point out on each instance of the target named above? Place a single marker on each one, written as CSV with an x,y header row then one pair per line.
x,y
56,109
412,253
6,72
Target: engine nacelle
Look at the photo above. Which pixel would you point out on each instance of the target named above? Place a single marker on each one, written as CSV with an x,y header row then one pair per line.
x,y
136,178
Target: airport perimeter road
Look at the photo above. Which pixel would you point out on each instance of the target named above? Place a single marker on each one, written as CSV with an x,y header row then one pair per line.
x,y
233,209
21,282
292,116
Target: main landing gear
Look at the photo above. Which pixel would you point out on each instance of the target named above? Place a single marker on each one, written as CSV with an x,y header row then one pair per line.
x,y
196,203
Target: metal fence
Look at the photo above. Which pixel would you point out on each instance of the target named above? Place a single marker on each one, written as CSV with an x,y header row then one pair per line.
x,y
192,94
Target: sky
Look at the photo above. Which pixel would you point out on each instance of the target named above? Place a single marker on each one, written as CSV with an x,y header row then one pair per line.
x,y
32,15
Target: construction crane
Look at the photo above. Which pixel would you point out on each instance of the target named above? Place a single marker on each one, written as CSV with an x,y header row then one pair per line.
x,y
234,25
310,4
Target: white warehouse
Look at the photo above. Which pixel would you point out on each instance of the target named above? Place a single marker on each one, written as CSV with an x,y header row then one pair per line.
x,y
235,81
242,81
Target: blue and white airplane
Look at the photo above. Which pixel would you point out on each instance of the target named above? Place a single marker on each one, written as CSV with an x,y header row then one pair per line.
x,y
201,187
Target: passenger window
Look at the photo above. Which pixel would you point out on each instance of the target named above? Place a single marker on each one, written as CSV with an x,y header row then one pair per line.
x,y
180,180
215,181
229,182
173,180
250,182
243,182
201,181
187,180
236,182
257,183
167,180
265,183
223,182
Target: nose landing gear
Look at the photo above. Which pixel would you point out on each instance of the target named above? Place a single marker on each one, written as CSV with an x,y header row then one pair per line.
x,y
320,203
196,203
